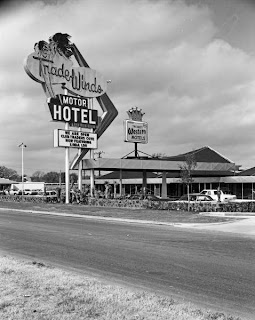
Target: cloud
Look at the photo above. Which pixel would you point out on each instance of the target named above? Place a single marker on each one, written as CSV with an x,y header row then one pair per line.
x,y
164,57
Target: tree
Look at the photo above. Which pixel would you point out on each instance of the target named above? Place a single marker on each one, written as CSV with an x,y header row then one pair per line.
x,y
159,155
51,177
73,177
8,173
37,176
186,170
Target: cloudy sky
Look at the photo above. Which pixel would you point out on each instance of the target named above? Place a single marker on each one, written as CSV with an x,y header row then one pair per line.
x,y
189,65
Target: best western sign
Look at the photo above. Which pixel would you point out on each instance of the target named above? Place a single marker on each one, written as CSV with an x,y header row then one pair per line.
x,y
74,139
72,110
136,131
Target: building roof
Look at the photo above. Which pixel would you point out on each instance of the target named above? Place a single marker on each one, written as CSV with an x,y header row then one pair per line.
x,y
127,175
248,172
200,173
204,154
6,181
208,162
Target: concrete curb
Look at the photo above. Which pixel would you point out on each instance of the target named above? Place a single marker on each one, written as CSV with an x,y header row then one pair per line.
x,y
229,214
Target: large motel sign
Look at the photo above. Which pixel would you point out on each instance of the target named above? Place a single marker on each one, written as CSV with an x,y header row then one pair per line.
x,y
70,91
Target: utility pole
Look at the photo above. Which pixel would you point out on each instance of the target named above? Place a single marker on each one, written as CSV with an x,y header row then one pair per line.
x,y
99,153
22,146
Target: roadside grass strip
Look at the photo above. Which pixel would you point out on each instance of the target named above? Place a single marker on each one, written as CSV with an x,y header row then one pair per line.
x,y
33,290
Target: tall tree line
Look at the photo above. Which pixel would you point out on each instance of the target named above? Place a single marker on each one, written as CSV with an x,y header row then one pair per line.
x,y
37,176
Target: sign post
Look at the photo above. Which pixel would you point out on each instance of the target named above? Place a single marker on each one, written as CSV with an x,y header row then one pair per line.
x,y
79,168
67,173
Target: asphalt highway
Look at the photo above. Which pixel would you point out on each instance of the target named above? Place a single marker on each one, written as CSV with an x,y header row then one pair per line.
x,y
209,268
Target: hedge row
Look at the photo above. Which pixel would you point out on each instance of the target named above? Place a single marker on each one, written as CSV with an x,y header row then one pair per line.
x,y
153,204
248,206
10,198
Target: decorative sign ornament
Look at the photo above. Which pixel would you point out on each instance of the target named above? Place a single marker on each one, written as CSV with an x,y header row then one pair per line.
x,y
135,114
51,65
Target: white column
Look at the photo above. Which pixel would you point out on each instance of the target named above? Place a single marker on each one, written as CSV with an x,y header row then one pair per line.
x,y
67,175
67,171
164,186
92,175
121,183
79,168
22,167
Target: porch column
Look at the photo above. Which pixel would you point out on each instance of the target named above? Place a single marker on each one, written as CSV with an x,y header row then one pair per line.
x,y
164,186
144,188
120,182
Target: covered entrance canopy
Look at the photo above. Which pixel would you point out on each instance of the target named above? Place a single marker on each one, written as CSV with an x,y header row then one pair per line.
x,y
208,162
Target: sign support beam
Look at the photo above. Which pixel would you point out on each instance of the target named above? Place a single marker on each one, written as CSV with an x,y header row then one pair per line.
x,y
67,175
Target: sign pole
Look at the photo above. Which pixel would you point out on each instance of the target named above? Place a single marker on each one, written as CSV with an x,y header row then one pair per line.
x,y
136,153
67,177
92,172
79,168
67,156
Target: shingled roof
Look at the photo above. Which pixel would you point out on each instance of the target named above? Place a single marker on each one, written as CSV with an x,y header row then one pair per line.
x,y
248,172
204,154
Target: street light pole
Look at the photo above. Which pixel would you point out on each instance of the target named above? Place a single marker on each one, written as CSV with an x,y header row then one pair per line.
x,y
22,146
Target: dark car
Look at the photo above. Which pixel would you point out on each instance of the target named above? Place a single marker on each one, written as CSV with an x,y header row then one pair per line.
x,y
157,198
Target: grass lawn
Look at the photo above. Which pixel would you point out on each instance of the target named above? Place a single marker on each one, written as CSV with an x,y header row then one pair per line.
x,y
139,214
33,290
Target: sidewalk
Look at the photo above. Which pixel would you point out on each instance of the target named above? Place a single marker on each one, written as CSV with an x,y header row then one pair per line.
x,y
244,226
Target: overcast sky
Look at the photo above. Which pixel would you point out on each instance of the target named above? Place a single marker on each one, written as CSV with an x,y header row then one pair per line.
x,y
189,65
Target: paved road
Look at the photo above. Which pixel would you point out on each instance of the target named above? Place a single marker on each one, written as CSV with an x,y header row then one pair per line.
x,y
205,267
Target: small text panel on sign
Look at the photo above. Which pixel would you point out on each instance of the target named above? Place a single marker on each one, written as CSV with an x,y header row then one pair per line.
x,y
75,139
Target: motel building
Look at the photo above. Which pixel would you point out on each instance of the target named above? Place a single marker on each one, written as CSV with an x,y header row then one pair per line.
x,y
162,176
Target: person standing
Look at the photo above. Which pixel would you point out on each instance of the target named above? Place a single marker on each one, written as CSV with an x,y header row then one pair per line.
x,y
218,193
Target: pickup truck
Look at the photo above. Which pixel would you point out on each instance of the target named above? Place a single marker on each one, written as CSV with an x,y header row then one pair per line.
x,y
214,194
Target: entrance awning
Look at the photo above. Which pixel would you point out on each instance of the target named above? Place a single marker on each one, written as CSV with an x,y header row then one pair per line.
x,y
109,164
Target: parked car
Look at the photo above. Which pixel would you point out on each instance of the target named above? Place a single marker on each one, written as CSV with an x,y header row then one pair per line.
x,y
51,195
157,198
26,192
34,192
12,192
196,197
214,194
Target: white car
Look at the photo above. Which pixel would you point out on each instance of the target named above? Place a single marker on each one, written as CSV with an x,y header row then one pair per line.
x,y
13,192
214,194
